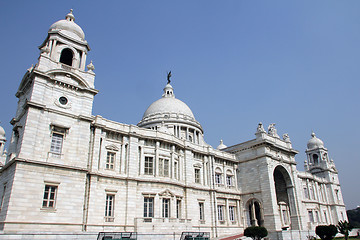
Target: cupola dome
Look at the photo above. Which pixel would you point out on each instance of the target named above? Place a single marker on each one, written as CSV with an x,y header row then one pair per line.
x,y
168,104
221,145
168,109
314,142
2,133
68,27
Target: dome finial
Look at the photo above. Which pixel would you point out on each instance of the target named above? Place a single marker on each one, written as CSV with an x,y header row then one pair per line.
x,y
168,90
221,145
70,16
313,134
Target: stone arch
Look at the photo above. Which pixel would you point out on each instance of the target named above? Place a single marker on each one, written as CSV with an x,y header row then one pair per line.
x,y
315,158
254,212
66,56
284,195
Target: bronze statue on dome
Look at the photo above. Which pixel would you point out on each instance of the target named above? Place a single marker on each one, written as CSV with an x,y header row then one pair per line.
x,y
168,77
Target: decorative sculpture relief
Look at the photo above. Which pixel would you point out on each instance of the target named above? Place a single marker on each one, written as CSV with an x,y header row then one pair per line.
x,y
286,137
260,128
272,130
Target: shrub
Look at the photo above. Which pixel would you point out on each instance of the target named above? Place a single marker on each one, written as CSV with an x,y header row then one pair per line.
x,y
256,233
326,232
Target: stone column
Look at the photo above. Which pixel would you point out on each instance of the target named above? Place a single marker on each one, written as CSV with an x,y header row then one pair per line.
x,y
53,49
226,212
156,159
83,61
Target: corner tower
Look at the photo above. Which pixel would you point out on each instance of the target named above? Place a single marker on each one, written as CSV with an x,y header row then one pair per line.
x,y
55,98
318,162
320,165
51,134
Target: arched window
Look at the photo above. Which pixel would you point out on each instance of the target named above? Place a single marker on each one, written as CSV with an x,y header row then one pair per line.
x,y
316,158
66,56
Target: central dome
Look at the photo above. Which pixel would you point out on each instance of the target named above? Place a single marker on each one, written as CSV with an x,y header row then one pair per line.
x,y
168,105
168,110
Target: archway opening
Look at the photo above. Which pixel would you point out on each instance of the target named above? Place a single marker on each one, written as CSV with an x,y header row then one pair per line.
x,y
255,215
282,183
316,159
66,56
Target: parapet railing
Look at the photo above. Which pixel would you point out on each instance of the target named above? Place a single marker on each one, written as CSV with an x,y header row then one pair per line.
x,y
195,236
117,236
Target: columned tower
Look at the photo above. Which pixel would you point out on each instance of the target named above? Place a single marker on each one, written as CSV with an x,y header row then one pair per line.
x,y
51,133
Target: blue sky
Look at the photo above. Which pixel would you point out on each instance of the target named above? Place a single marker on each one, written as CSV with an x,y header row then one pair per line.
x,y
235,63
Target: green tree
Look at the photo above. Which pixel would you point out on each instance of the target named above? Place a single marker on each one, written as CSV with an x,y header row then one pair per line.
x,y
256,233
344,228
354,217
326,232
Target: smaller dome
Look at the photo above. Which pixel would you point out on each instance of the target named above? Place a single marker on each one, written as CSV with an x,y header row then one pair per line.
x,y
221,145
2,134
314,142
68,27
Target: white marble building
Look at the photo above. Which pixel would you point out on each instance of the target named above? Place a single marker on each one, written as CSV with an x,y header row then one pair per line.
x,y
70,172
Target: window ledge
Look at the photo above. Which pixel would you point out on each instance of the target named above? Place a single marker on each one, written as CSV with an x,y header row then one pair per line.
x,y
44,209
54,155
109,219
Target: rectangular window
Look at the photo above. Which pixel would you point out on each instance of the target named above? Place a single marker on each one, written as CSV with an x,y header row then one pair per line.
x,y
229,180
317,216
49,196
178,208
311,216
176,170
149,166
321,193
165,208
311,193
232,213
148,207
201,209
56,143
110,160
109,207
3,197
197,175
164,167
325,217
306,193
220,213
218,178
337,195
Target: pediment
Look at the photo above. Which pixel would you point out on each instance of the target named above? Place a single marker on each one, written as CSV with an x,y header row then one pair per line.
x,y
167,193
112,148
68,78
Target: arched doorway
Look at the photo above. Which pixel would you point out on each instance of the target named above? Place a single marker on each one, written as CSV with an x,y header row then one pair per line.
x,y
283,188
255,213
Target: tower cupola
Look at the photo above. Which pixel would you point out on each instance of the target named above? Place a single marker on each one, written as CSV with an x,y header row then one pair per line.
x,y
66,44
317,156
